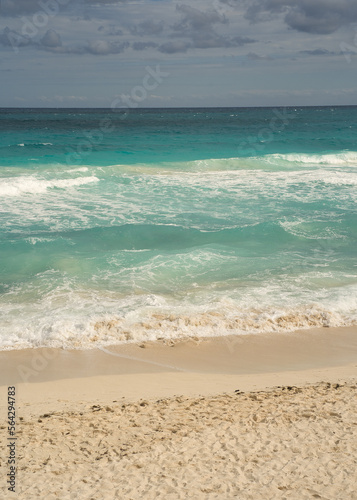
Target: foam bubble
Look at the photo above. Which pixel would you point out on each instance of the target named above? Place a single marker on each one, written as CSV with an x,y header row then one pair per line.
x,y
83,320
31,185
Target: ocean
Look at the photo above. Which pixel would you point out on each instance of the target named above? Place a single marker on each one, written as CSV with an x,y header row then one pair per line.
x,y
148,224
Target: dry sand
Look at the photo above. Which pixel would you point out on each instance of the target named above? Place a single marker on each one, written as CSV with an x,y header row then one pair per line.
x,y
199,419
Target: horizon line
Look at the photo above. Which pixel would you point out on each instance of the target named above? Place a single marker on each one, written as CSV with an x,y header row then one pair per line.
x,y
181,107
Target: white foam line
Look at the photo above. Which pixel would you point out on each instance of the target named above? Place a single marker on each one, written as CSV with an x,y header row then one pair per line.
x,y
133,358
31,185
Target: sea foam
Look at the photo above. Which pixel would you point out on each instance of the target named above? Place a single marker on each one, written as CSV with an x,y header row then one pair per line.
x,y
32,185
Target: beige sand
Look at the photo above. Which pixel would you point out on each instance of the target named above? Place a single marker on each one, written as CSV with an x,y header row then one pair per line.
x,y
103,426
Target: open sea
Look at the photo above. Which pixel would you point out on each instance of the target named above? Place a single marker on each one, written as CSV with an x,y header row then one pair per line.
x,y
165,223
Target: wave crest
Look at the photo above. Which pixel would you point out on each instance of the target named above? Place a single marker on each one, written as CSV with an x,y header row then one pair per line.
x,y
161,325
341,158
30,185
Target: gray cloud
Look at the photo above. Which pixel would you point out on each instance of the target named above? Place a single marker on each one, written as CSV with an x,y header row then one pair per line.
x,y
317,16
110,30
198,28
51,39
207,40
239,41
18,7
15,8
104,48
11,38
148,27
195,28
143,45
52,42
256,57
194,19
319,52
95,47
174,47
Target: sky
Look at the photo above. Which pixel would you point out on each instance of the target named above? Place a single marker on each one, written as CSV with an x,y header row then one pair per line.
x,y
162,53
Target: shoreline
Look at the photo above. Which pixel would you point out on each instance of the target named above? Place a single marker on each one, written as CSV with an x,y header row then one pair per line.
x,y
56,378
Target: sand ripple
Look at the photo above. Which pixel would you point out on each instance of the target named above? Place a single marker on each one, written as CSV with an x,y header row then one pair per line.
x,y
287,443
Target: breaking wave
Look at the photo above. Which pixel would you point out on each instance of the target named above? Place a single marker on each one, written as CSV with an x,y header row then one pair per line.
x,y
32,185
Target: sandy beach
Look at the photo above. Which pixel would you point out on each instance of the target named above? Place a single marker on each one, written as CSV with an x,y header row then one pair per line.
x,y
178,296
256,416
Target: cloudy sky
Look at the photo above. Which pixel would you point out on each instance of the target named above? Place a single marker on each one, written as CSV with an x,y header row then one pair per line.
x,y
160,53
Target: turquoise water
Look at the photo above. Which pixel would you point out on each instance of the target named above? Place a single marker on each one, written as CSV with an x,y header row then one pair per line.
x,y
119,227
